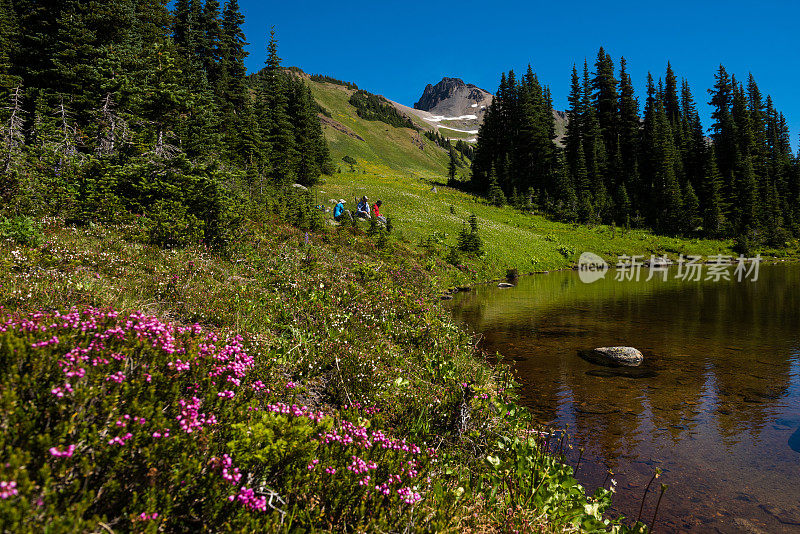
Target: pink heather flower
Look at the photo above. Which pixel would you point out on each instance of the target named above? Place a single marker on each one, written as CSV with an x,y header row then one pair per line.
x,y
148,517
313,464
290,385
120,440
118,377
8,489
57,392
227,394
409,496
66,453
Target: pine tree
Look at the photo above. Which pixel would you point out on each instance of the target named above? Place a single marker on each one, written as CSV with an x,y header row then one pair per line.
x,y
9,45
234,54
694,147
182,25
714,221
629,130
565,192
593,146
723,129
691,209
623,206
573,136
671,103
211,48
605,99
162,99
495,193
276,127
451,170
747,205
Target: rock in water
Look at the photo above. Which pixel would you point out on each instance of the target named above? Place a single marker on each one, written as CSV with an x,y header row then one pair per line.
x,y
794,441
614,356
504,285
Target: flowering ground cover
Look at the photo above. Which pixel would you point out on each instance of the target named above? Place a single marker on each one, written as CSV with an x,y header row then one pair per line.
x,y
294,382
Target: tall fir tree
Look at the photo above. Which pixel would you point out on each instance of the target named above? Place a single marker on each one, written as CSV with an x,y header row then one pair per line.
x,y
605,99
629,129
275,124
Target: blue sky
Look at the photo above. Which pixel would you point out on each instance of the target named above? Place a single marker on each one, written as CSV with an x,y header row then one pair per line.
x,y
396,48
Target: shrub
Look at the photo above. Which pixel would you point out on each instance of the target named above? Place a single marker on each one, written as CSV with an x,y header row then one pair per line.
x,y
22,230
468,239
151,426
169,224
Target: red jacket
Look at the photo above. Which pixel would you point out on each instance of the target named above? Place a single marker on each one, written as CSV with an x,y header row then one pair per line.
x,y
375,210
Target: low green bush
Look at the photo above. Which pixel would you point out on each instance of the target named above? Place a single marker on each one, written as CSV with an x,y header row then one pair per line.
x,y
22,230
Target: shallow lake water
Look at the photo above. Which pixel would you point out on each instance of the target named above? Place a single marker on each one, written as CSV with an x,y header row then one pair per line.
x,y
716,405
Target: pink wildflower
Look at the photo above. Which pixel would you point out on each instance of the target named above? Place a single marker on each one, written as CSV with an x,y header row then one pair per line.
x,y
8,489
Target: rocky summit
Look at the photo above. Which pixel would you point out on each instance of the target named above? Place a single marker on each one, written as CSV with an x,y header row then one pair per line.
x,y
451,97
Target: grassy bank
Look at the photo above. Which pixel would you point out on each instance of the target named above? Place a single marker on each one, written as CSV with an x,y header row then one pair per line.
x,y
512,239
298,381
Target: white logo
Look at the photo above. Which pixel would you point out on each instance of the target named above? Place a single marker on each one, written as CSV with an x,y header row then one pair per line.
x,y
591,267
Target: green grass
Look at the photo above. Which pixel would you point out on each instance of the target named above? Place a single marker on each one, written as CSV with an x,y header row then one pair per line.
x,y
512,239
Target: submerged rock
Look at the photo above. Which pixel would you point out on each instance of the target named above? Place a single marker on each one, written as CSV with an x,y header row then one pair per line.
x,y
794,441
614,356
504,285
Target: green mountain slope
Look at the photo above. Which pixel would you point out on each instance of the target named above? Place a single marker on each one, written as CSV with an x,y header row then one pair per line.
x,y
377,145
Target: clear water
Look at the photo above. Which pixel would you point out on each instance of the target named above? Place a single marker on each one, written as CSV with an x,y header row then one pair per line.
x,y
716,404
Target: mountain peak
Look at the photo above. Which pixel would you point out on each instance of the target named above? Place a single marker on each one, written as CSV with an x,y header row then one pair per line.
x,y
453,97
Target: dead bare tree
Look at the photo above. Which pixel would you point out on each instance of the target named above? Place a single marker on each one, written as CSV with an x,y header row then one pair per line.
x,y
113,128
66,144
13,131
163,149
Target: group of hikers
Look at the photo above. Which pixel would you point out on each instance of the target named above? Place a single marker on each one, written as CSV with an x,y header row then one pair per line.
x,y
362,211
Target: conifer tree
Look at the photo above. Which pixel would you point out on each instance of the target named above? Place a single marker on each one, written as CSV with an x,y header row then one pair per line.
x,y
9,36
593,145
234,54
722,128
182,25
629,130
495,193
694,151
211,30
605,99
451,169
573,137
691,209
671,103
275,124
714,221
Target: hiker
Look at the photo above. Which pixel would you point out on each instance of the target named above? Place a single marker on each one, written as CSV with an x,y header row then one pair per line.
x,y
362,209
376,211
339,212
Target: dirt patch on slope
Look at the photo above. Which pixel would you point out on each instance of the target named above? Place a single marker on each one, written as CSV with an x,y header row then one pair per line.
x,y
338,126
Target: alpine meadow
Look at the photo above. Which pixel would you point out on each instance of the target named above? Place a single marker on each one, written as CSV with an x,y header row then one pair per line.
x,y
232,298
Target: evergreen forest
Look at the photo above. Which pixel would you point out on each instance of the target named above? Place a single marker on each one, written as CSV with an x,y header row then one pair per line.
x,y
657,168
127,109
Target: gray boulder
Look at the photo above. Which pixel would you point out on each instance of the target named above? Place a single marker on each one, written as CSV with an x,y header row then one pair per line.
x,y
614,356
